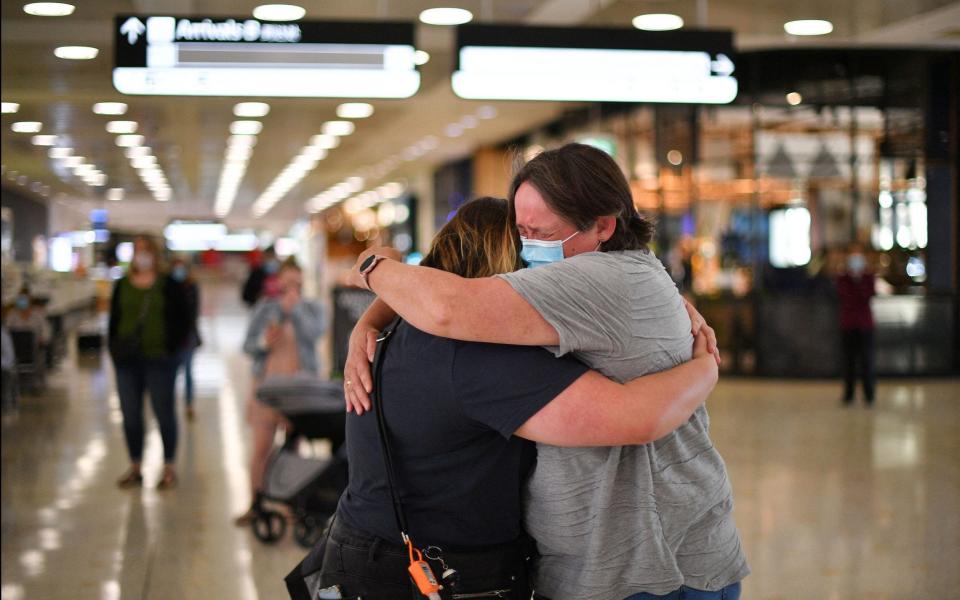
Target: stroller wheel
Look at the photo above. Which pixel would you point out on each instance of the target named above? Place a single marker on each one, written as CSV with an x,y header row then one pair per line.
x,y
307,531
269,526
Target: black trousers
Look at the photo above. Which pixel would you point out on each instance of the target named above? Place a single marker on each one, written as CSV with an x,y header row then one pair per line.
x,y
858,355
366,566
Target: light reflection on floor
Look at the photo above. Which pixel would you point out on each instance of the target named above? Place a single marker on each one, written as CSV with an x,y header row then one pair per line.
x,y
831,502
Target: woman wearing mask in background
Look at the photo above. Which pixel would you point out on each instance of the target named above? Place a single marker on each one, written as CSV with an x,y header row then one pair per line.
x,y
281,339
855,288
181,273
149,324
645,521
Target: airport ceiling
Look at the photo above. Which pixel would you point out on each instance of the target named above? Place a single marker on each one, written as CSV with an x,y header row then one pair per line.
x,y
188,135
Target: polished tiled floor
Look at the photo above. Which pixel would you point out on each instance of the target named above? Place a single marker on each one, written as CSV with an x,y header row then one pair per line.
x,y
832,503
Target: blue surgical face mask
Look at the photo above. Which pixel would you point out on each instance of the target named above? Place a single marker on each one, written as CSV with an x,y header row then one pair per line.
x,y
179,273
22,302
537,253
856,263
271,267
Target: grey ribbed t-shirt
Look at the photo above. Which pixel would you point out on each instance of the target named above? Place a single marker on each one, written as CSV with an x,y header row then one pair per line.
x,y
611,522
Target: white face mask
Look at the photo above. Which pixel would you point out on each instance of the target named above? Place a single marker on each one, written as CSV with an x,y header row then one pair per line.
x,y
143,262
537,253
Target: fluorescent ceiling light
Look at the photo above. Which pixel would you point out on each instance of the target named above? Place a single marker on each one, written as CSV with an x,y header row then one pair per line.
x,y
246,127
244,141
144,162
73,162
48,9
454,130
239,153
122,127
60,152
354,110
26,126
657,22
43,140
486,112
110,108
446,16
314,152
325,141
9,107
137,152
76,52
338,128
808,27
279,12
251,109
115,194
468,122
421,57
129,141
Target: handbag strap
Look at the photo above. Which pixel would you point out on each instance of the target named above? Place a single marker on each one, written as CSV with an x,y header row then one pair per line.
x,y
398,512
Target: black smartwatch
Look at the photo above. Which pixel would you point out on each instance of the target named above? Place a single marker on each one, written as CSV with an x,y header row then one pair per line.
x,y
367,266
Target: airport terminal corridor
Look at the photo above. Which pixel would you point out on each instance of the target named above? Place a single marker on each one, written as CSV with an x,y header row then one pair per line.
x,y
831,502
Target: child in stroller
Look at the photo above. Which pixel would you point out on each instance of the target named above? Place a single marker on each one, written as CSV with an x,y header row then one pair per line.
x,y
309,486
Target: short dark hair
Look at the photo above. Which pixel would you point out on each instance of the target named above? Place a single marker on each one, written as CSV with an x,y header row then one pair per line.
x,y
581,183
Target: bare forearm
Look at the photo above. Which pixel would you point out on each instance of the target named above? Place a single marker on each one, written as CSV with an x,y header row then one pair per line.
x,y
670,397
377,316
424,297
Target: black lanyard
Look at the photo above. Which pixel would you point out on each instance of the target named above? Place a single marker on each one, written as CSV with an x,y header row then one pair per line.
x,y
378,356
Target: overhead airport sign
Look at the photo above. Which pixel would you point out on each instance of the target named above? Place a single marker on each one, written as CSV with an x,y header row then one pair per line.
x,y
594,65
180,56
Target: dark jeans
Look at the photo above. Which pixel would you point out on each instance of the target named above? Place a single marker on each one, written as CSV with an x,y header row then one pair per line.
x,y
186,361
156,377
731,592
858,351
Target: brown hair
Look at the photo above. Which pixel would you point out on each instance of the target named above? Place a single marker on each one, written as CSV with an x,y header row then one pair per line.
x,y
290,263
581,183
479,241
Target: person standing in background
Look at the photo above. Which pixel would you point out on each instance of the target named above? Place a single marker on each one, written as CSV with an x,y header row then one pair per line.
x,y
181,273
262,278
855,287
281,339
29,314
149,325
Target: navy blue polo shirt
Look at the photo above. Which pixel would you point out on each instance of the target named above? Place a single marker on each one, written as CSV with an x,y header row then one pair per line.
x,y
452,408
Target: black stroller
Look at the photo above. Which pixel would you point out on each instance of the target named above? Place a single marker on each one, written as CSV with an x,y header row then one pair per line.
x,y
311,487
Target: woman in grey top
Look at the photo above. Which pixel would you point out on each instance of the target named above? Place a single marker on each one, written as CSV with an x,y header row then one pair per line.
x,y
610,523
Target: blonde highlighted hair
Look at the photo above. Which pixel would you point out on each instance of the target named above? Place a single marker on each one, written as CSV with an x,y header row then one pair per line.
x,y
479,241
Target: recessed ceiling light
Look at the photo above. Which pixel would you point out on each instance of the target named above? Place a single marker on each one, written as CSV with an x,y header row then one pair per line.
x,y
251,109
446,16
43,140
338,128
279,12
808,27
468,122
354,110
325,141
794,98
59,152
27,126
421,57
658,22
129,141
486,112
454,130
110,108
246,127
137,152
48,9
76,52
73,162
246,141
9,108
122,126
115,194
143,162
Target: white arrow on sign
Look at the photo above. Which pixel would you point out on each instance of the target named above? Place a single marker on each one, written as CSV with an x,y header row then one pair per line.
x,y
132,28
723,66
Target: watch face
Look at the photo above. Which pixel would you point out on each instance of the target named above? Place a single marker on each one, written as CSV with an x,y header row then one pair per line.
x,y
367,262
